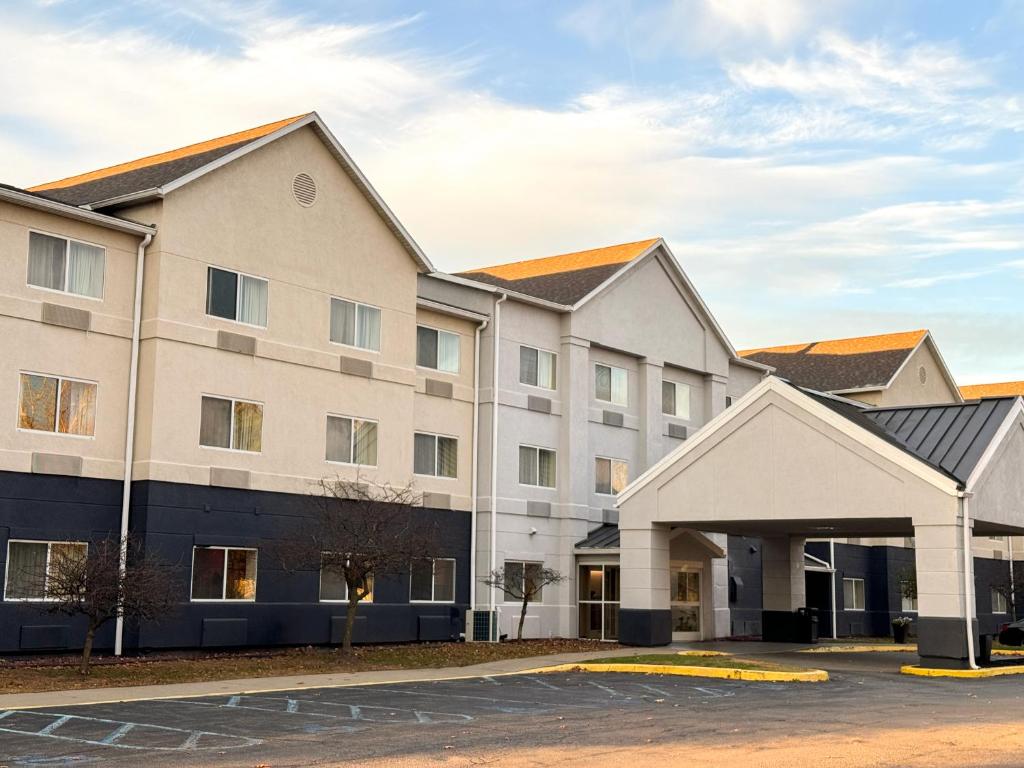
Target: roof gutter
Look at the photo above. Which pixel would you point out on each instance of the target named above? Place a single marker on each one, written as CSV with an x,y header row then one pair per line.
x,y
488,288
74,212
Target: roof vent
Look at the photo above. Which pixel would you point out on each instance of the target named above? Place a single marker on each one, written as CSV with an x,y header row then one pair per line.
x,y
922,374
304,189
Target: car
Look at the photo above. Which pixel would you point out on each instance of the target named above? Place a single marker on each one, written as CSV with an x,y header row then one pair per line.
x,y
1012,634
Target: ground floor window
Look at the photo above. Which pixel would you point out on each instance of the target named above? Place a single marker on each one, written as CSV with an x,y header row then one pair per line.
x,y
223,573
432,580
998,601
30,565
908,597
853,594
599,602
334,588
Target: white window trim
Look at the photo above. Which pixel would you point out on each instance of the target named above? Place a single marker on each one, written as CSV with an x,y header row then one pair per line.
x,y
689,399
238,297
352,440
538,449
67,265
440,331
437,455
863,590
344,600
56,415
524,563
330,306
231,428
538,386
613,460
49,544
433,582
1006,606
224,581
613,368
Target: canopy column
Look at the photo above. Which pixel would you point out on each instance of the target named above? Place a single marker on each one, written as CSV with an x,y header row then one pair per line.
x,y
645,615
942,596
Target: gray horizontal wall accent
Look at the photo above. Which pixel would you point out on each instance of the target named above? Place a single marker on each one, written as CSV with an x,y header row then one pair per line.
x,y
538,508
236,342
612,418
67,317
229,478
539,404
356,367
56,464
437,500
678,431
439,388
610,516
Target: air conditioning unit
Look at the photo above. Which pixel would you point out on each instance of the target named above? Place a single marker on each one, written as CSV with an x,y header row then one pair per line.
x,y
481,626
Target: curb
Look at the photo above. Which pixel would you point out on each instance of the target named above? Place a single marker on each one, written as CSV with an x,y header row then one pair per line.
x,y
963,674
702,654
722,673
872,648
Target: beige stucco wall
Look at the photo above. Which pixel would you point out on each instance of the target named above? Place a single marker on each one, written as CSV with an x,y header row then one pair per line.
x,y
908,389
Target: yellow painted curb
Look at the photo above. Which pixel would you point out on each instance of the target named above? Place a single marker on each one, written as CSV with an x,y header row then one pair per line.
x,y
969,674
870,648
1006,652
722,673
702,654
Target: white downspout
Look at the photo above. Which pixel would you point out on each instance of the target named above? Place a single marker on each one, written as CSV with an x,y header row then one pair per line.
x,y
832,578
129,442
494,454
1013,587
475,481
968,579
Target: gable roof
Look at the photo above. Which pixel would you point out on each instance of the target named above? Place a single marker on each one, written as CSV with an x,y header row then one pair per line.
x,y
1000,389
566,278
155,176
841,365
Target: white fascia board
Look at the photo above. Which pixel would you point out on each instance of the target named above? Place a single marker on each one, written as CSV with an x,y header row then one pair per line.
x,y
74,212
143,195
881,447
448,309
488,288
993,447
752,364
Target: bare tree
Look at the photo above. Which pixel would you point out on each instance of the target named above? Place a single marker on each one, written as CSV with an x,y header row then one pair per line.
x,y
523,582
89,582
358,532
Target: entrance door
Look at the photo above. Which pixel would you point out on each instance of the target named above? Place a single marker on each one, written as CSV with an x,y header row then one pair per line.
x,y
686,612
599,601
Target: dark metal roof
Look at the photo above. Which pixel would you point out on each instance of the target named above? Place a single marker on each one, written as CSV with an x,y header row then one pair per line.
x,y
605,537
559,287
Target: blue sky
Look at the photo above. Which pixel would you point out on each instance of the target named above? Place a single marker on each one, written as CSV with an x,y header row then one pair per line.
x,y
820,169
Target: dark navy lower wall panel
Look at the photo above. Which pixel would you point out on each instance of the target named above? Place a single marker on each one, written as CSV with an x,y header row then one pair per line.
x,y
745,585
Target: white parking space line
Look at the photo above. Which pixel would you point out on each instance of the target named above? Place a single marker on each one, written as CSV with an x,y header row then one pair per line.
x,y
604,688
53,726
491,680
538,681
654,690
115,736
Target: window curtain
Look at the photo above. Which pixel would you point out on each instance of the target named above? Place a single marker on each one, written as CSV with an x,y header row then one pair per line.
x,y
531,577
448,352
365,448
447,457
38,406
546,468
513,577
546,370
620,475
682,401
248,433
527,465
369,328
85,270
26,570
425,453
46,261
215,423
668,398
421,580
528,366
444,580
77,408
252,301
241,580
602,476
343,322
339,439
207,574
619,386
426,347
332,585
603,385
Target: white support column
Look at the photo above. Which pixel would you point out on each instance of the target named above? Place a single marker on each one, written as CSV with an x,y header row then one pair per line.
x,y
941,595
645,616
782,569
714,395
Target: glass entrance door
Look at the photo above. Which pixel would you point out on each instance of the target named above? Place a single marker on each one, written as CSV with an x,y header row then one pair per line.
x,y
686,612
599,602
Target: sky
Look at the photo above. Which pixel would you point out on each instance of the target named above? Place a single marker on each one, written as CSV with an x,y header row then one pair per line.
x,y
819,169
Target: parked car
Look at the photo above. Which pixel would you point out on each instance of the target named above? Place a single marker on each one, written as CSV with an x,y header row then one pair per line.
x,y
1012,634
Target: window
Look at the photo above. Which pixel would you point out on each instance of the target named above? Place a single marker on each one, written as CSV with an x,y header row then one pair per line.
x,y
355,325
233,424
537,367
853,594
611,385
536,466
30,564
237,297
56,404
437,349
223,573
610,476
432,580
998,601
728,401
65,265
908,598
334,588
351,441
675,399
525,575
435,455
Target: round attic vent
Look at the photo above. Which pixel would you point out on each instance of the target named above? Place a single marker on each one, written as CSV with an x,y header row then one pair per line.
x,y
304,189
922,374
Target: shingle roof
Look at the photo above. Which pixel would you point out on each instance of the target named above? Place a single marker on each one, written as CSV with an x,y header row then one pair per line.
x,y
564,279
151,171
605,537
1001,389
840,365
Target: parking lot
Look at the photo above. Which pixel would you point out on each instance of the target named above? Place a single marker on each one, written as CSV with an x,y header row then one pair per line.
x,y
497,717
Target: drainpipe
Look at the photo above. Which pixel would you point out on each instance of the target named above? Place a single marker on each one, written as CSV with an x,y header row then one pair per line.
x,y
129,442
475,478
494,454
968,580
832,578
1013,587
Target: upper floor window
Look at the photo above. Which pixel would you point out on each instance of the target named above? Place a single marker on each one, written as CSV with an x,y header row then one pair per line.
x,y
223,573
355,325
437,349
351,441
610,476
525,577
69,266
56,404
536,466
537,367
32,564
233,424
432,580
238,297
675,399
435,455
612,384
